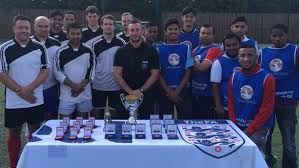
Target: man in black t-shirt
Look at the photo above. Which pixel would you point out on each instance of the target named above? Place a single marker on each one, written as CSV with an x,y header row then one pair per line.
x,y
136,68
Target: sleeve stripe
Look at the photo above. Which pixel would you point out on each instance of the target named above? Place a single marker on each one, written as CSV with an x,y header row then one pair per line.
x,y
4,66
57,59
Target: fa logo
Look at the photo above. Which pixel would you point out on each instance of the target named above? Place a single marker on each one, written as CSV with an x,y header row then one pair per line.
x,y
275,65
246,92
174,59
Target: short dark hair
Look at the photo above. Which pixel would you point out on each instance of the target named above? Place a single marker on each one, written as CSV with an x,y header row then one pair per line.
x,y
92,9
187,10
151,24
69,12
230,36
239,19
170,22
108,16
20,17
282,27
56,13
209,26
73,26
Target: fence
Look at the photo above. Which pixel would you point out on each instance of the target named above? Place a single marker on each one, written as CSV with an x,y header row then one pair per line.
x,y
259,23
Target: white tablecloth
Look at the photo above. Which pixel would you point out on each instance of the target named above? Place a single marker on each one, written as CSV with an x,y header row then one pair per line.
x,y
140,153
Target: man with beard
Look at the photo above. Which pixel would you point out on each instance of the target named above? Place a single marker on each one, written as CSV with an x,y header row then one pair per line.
x,y
23,93
136,69
104,86
50,86
74,69
56,23
204,56
221,71
189,33
176,63
126,19
93,29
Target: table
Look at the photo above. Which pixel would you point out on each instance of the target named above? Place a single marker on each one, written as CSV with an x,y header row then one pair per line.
x,y
196,147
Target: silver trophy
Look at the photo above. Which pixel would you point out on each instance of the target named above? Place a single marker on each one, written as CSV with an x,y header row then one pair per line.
x,y
131,103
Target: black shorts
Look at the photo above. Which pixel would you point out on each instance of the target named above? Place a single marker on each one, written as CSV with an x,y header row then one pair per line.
x,y
16,117
99,99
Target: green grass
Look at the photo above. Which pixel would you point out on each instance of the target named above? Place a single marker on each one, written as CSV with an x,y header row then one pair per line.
x,y
276,142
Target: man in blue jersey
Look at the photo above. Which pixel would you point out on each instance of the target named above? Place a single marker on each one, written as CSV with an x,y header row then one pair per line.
x,y
176,62
189,33
251,96
239,26
204,56
221,71
282,60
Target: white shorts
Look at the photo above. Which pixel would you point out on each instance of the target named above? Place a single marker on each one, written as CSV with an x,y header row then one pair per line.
x,y
66,107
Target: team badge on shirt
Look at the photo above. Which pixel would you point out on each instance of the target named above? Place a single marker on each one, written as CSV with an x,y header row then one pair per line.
x,y
197,58
174,59
144,65
275,65
246,92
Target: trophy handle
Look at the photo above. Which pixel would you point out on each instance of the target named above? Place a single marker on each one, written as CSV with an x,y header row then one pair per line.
x,y
140,99
122,98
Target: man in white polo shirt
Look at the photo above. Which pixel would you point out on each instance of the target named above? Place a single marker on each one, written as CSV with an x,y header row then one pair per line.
x,y
104,85
50,86
23,70
74,69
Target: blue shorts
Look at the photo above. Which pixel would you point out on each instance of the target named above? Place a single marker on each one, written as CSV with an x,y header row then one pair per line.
x,y
51,99
67,108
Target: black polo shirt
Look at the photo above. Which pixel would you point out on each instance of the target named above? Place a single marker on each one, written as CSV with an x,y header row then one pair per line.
x,y
136,63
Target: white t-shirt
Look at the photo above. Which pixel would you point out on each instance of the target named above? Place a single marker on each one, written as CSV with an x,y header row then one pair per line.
x,y
76,65
23,64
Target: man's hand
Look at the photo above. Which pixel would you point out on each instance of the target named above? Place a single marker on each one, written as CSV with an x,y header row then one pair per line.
x,y
136,92
174,96
77,89
27,93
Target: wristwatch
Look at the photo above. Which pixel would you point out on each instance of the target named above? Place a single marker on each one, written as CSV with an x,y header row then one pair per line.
x,y
141,90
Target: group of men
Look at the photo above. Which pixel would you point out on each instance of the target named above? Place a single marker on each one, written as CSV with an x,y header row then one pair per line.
x,y
85,67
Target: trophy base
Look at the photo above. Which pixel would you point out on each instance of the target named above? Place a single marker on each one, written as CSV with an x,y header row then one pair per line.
x,y
140,136
156,136
174,136
59,138
87,137
131,121
110,136
126,137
